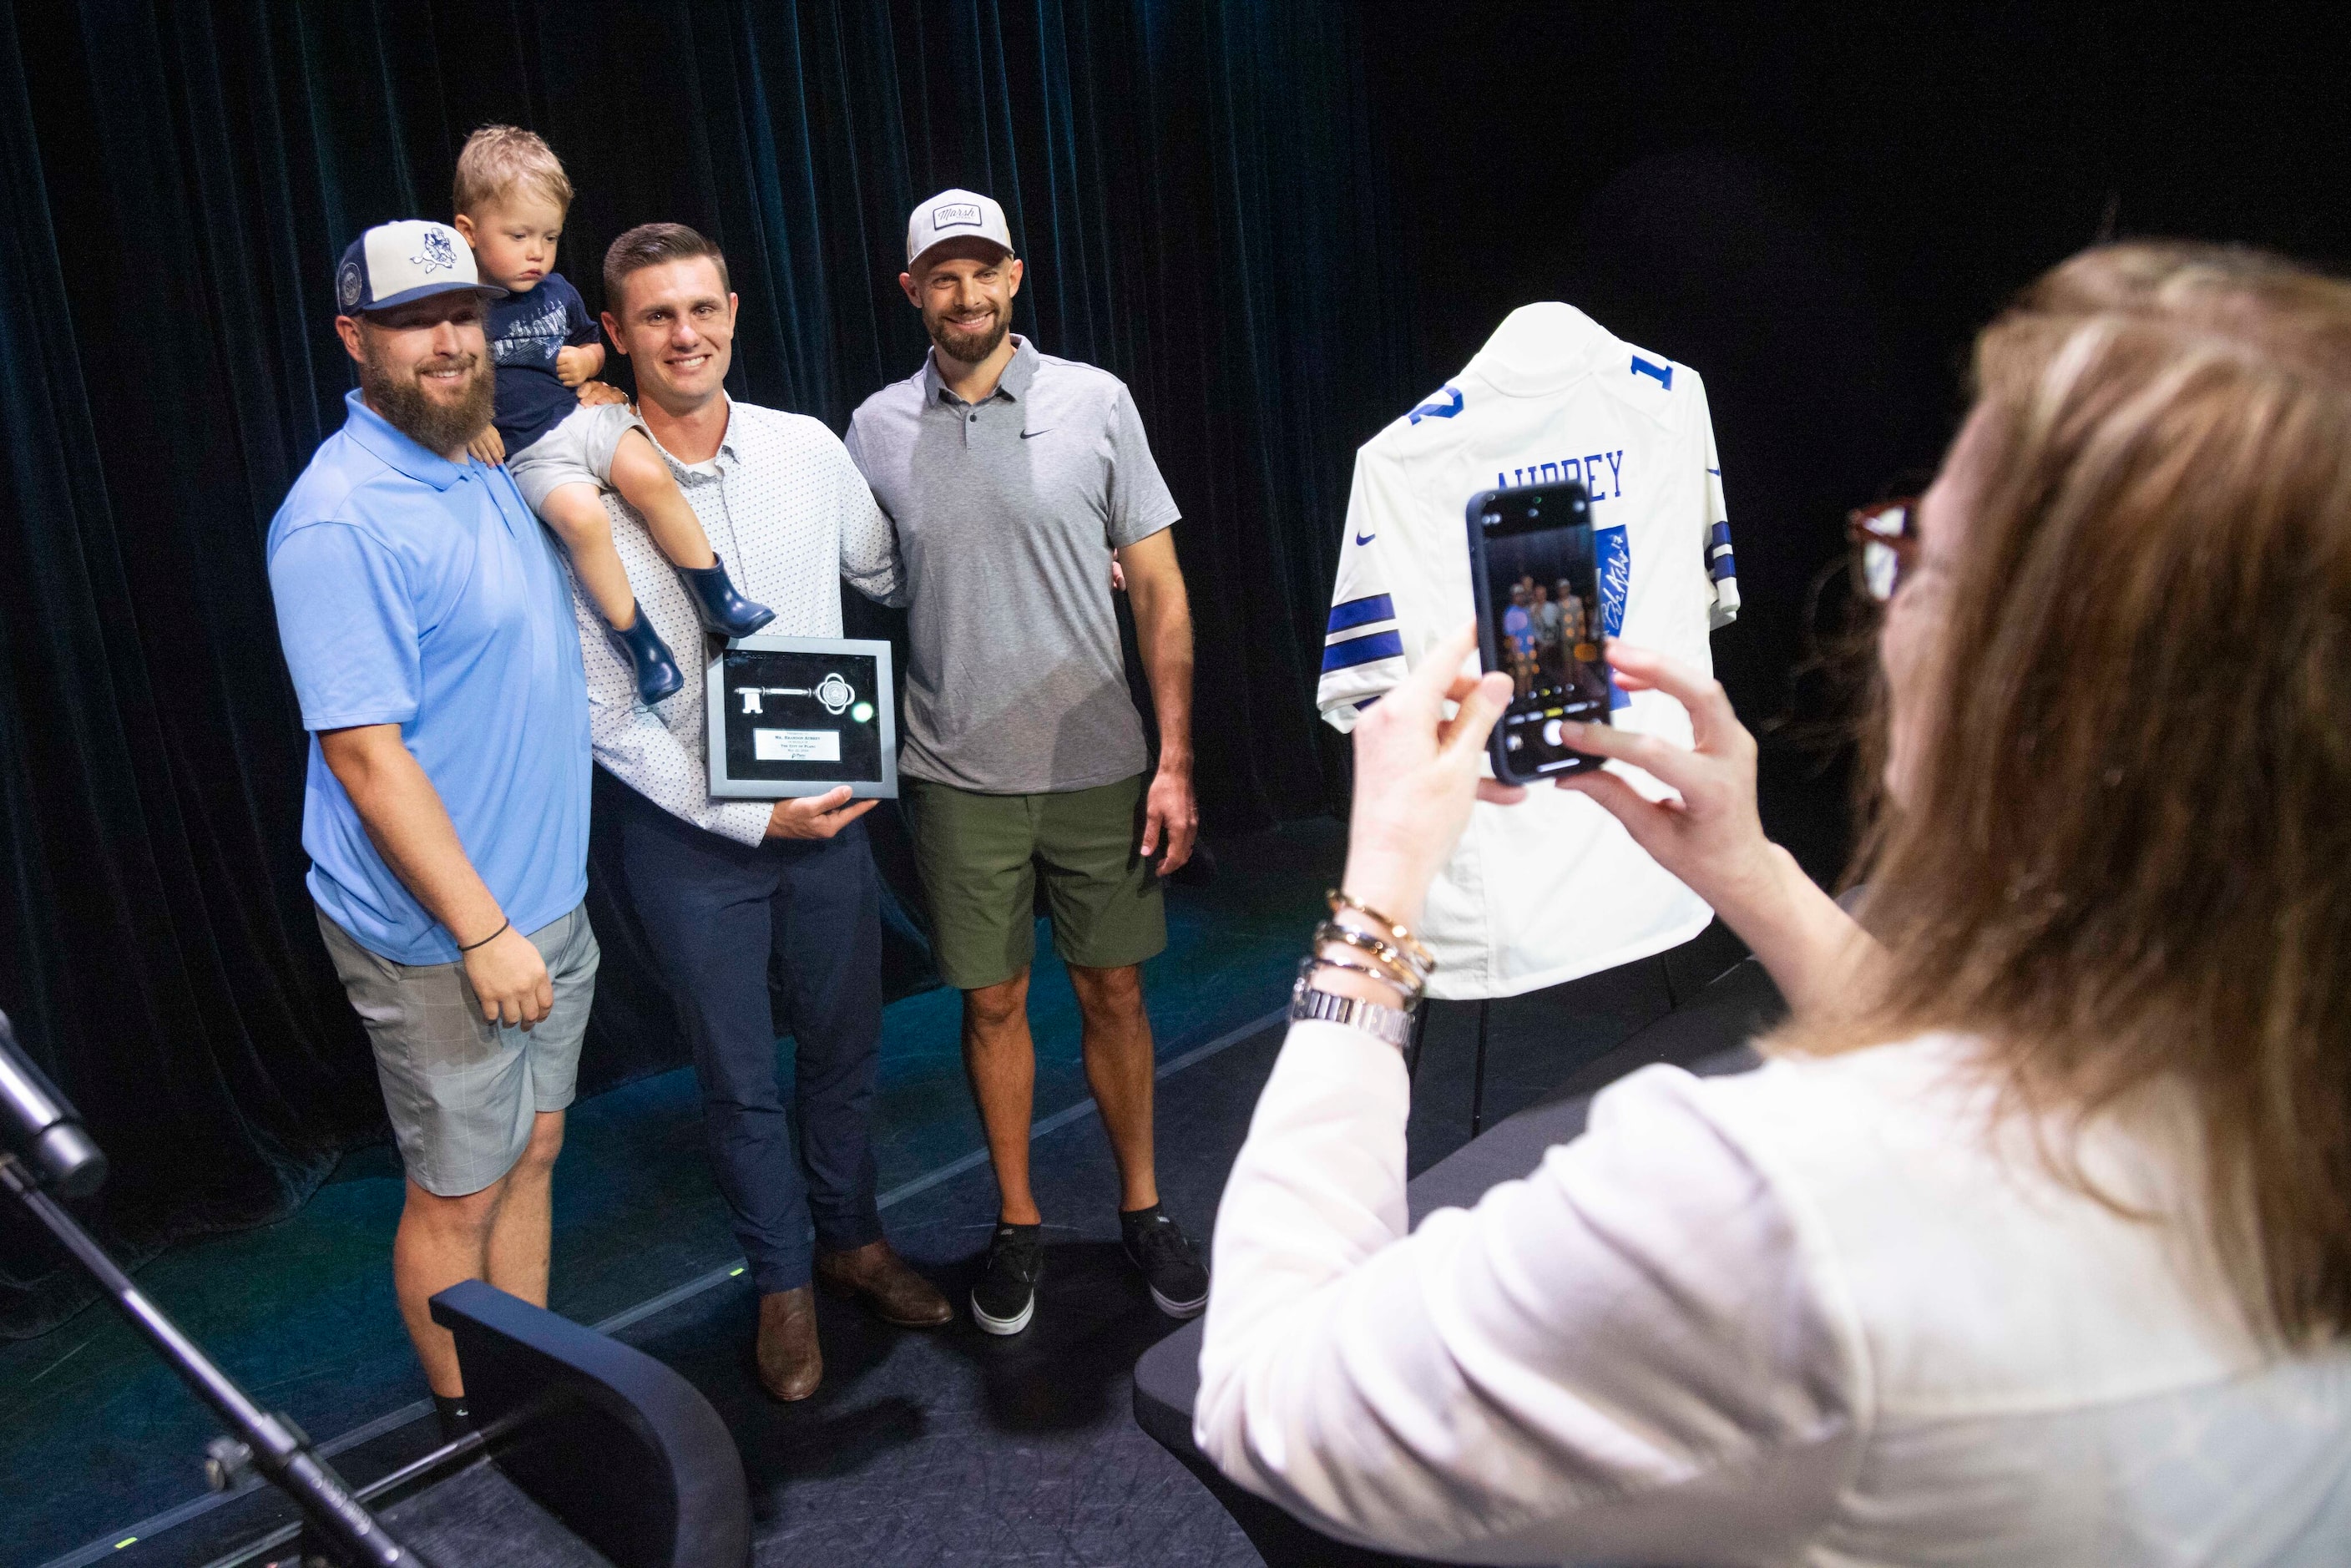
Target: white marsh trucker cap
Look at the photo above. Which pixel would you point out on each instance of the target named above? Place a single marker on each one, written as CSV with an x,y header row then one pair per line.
x,y
955,214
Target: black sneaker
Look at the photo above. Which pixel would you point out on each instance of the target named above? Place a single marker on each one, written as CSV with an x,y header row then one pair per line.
x,y
1006,1297
1156,1245
454,1418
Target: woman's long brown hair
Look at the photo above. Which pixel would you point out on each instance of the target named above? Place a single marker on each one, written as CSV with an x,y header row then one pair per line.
x,y
2124,859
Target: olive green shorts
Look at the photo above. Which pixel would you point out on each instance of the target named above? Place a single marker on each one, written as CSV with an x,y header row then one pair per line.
x,y
980,855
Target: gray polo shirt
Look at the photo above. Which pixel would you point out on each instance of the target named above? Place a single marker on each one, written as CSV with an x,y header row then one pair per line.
x,y
1007,512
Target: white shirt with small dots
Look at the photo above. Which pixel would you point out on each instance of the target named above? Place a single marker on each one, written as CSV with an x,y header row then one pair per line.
x,y
790,516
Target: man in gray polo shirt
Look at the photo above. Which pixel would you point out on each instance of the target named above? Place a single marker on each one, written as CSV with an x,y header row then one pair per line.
x,y
1015,481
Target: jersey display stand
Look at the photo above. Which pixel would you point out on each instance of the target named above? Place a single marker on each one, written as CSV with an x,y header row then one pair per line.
x,y
1551,889
1477,1069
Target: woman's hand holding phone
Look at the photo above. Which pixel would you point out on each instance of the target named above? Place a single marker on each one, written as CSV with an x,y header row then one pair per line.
x,y
1711,838
1416,773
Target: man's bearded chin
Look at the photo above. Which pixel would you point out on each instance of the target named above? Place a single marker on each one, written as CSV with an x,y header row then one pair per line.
x,y
431,423
968,346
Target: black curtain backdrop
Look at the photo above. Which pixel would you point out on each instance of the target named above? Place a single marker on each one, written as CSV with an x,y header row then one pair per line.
x,y
1188,184
1817,205
1283,222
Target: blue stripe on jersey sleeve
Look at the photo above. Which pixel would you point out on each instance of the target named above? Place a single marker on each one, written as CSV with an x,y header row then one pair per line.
x,y
1362,651
1719,562
1362,612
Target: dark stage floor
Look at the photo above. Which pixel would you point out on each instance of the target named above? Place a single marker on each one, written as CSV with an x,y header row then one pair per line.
x,y
921,1448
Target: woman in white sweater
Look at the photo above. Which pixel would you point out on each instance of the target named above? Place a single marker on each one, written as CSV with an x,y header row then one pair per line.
x,y
2032,1241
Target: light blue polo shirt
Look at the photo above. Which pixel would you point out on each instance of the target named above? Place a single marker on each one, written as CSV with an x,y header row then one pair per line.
x,y
414,591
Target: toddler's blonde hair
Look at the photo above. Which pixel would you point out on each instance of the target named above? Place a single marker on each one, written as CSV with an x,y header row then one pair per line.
x,y
498,158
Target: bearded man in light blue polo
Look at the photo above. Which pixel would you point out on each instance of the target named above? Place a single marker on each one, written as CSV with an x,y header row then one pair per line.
x,y
427,623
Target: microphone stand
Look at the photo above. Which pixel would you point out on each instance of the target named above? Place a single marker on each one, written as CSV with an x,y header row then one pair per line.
x,y
269,1443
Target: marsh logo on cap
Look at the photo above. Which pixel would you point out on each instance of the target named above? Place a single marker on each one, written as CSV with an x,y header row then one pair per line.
x,y
957,214
348,285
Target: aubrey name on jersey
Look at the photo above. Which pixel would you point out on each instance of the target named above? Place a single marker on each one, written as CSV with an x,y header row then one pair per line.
x,y
1473,435
1552,396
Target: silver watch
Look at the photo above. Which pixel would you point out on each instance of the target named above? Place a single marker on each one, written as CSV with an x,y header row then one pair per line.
x,y
1308,1001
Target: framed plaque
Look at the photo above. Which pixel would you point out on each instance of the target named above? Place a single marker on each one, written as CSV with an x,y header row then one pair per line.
x,y
799,715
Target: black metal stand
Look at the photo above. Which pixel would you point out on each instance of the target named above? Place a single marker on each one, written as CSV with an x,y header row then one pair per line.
x,y
271,1444
1477,1075
1414,1048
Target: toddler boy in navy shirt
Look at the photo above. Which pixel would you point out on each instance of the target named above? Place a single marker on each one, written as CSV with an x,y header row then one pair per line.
x,y
562,450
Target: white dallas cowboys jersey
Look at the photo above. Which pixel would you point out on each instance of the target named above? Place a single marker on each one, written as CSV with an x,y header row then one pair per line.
x,y
1551,888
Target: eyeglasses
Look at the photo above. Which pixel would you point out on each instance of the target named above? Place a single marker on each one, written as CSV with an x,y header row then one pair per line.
x,y
1884,536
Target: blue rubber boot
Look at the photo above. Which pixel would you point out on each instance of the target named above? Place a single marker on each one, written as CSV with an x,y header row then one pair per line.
x,y
658,675
723,610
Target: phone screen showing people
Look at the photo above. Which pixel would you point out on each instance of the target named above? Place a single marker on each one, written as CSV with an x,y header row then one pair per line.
x,y
1537,586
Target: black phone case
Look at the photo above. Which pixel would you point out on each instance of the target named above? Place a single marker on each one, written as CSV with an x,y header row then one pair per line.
x,y
1489,649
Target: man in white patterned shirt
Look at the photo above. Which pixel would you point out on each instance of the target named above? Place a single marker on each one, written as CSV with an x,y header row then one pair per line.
x,y
721,885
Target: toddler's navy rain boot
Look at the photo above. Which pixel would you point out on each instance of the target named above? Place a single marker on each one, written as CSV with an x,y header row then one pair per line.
x,y
658,675
723,610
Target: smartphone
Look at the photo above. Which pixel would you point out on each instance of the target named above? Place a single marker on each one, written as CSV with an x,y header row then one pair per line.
x,y
1533,566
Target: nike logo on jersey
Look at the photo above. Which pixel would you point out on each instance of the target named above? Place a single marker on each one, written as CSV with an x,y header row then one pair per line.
x,y
1602,474
1437,408
1365,539
1033,434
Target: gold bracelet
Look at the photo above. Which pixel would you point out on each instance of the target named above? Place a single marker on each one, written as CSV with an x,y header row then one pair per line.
x,y
1400,970
1397,931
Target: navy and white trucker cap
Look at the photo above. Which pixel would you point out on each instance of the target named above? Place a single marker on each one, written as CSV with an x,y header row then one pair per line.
x,y
954,214
393,264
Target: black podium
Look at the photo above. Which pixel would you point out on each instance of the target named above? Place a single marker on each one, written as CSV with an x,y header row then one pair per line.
x,y
1707,1035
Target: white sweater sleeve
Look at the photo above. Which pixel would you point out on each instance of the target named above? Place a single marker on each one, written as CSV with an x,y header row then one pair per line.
x,y
1620,1356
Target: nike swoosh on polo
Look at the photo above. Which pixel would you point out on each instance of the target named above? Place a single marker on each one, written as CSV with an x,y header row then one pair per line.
x,y
1031,434
1366,539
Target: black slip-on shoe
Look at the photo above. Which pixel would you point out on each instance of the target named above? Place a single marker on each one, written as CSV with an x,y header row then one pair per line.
x,y
1158,1246
1006,1297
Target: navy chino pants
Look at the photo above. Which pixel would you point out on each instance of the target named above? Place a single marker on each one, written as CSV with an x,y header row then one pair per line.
x,y
716,914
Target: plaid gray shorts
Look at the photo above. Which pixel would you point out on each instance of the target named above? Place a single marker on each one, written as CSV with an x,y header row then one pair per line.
x,y
462,1092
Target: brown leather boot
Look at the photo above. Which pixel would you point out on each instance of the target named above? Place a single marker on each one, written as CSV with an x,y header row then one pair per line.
x,y
883,1280
790,1362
